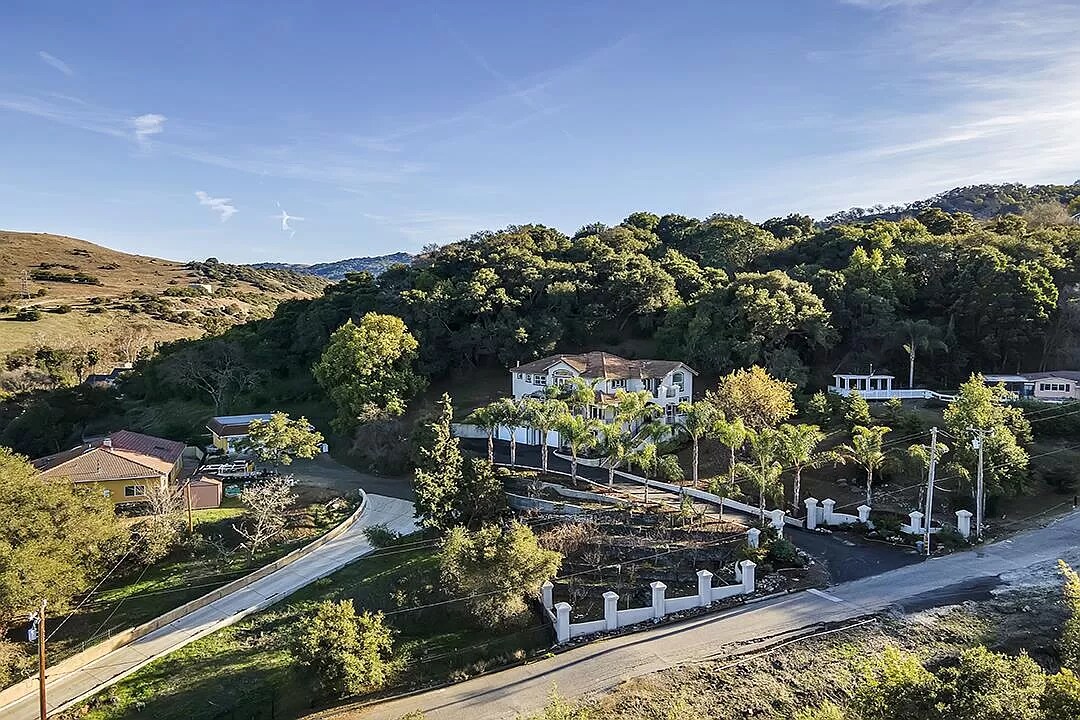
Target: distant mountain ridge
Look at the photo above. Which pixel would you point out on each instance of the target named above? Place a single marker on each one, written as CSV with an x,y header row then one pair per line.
x,y
984,202
339,269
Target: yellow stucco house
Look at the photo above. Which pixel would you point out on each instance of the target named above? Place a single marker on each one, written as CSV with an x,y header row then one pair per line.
x,y
121,466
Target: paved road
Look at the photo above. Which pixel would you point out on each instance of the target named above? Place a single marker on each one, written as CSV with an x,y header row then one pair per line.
x,y
326,472
66,689
843,557
602,665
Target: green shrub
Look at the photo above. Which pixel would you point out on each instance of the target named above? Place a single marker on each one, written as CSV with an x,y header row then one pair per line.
x,y
348,652
28,315
782,552
381,535
62,309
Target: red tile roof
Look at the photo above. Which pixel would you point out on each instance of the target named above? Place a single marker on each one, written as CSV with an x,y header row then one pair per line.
x,y
124,455
605,365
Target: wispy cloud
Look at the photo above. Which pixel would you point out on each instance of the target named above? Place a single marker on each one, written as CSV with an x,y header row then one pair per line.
x,y
222,206
56,63
148,125
886,4
993,104
527,96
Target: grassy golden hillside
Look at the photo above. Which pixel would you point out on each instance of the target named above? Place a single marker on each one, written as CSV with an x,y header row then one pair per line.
x,y
63,292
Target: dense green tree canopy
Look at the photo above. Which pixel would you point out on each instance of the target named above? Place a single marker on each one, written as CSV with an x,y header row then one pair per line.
x,y
54,537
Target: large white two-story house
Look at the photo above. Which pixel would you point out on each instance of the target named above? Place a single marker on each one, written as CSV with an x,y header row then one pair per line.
x,y
670,382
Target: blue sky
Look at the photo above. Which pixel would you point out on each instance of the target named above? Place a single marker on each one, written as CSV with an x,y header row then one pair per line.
x,y
177,129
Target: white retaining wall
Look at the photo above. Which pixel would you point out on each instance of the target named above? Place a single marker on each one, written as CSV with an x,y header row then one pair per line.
x,y
520,502
661,604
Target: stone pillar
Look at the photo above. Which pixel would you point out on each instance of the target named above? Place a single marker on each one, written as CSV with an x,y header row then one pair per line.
x,y
963,522
752,536
562,622
916,522
611,610
545,594
811,513
659,589
777,520
827,506
864,513
704,588
748,570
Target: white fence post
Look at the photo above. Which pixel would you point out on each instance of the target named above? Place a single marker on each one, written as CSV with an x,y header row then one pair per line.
x,y
611,610
748,570
658,591
916,522
562,622
811,513
963,522
752,536
828,505
704,588
864,513
738,571
545,594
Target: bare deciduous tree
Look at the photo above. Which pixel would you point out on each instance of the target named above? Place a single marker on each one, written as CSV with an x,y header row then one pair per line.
x,y
266,501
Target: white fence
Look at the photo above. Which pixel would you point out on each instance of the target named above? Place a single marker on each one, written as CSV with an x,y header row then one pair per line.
x,y
661,605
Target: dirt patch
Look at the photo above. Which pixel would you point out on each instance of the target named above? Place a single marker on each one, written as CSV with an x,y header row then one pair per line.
x,y
1023,613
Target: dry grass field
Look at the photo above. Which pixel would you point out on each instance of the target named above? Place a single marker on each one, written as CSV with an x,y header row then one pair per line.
x,y
87,293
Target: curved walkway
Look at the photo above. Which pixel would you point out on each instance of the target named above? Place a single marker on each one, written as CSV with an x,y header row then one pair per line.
x,y
71,687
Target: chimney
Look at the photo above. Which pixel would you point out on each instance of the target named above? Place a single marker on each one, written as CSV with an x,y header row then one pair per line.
x,y
107,442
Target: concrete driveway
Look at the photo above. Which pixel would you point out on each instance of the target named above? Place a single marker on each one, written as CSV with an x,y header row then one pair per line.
x,y
324,471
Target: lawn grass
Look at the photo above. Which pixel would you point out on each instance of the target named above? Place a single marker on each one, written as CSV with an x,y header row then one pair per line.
x,y
142,594
248,666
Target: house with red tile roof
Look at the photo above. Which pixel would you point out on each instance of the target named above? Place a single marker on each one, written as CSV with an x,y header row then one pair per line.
x,y
121,466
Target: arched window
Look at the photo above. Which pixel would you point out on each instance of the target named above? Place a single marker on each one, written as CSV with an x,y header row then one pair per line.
x,y
679,381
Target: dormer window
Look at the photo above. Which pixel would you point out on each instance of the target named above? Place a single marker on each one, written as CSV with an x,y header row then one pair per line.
x,y
678,380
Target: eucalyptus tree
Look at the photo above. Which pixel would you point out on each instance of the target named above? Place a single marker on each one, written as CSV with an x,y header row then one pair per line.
x,y
695,420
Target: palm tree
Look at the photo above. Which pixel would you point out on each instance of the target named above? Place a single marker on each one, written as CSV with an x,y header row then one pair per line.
x,y
648,460
799,449
543,416
695,420
765,471
511,415
579,434
865,451
634,406
615,444
919,335
732,435
487,419
578,393
763,475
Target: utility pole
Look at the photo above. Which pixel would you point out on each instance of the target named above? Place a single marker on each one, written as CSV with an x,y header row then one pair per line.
x,y
190,520
978,437
930,487
37,632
